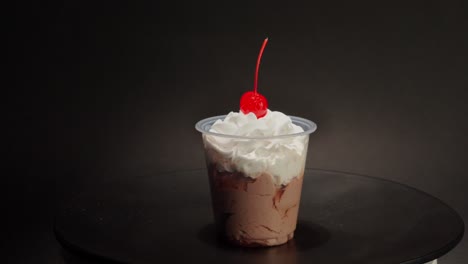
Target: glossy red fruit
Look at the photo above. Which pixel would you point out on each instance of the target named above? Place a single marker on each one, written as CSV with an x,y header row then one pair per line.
x,y
252,102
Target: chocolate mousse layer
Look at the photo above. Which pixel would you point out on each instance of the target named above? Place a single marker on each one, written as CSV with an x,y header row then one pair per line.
x,y
254,212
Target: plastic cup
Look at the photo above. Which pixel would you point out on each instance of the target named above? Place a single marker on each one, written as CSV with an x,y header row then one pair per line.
x,y
258,208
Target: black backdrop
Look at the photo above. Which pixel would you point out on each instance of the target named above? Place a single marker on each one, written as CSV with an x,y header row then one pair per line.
x,y
110,89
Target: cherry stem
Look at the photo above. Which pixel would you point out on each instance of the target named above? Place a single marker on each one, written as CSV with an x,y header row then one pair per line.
x,y
258,64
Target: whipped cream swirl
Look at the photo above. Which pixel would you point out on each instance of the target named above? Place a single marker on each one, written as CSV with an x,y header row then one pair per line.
x,y
283,158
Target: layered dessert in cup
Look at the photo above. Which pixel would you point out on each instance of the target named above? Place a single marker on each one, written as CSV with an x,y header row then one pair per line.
x,y
255,160
256,168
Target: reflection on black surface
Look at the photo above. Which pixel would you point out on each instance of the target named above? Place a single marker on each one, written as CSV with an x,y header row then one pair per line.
x,y
307,236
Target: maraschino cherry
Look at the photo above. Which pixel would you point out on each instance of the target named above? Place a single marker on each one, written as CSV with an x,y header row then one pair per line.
x,y
252,101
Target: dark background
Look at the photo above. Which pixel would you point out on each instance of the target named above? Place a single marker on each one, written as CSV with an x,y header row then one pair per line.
x,y
101,90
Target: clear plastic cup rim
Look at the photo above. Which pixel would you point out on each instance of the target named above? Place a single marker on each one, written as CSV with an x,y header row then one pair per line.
x,y
204,126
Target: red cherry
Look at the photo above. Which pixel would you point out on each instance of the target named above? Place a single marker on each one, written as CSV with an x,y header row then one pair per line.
x,y
253,102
